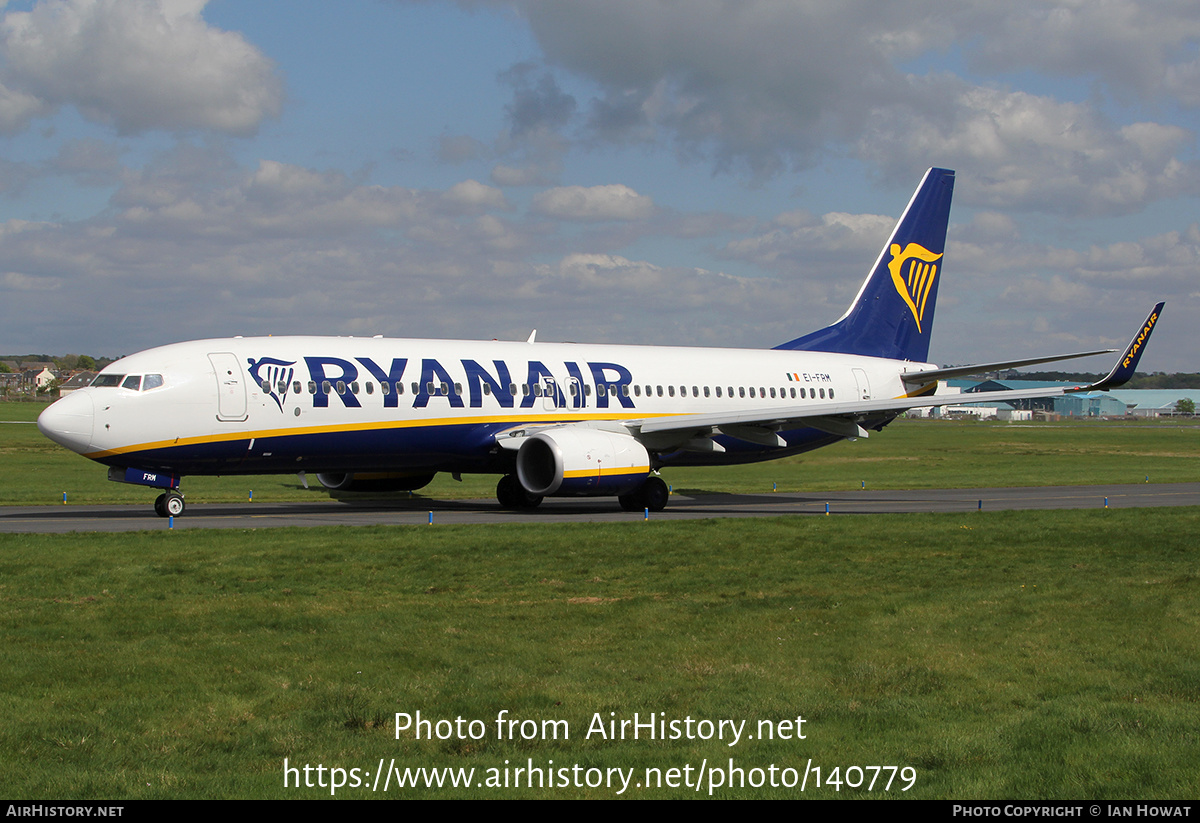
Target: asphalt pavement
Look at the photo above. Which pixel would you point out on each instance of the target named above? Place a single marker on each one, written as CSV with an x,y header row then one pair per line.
x,y
420,511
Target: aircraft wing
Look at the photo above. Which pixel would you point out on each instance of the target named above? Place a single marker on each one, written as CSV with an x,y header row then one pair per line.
x,y
844,418
837,418
932,375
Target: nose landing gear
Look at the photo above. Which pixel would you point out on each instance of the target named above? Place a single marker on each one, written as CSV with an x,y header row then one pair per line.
x,y
169,504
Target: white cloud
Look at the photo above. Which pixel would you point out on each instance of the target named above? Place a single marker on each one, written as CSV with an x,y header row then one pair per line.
x,y
611,202
1131,46
135,64
798,241
473,196
767,85
1034,152
17,108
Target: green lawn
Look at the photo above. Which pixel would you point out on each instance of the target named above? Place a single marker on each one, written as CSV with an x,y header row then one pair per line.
x,y
999,655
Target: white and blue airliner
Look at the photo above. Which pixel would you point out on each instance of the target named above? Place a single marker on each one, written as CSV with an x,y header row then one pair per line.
x,y
547,418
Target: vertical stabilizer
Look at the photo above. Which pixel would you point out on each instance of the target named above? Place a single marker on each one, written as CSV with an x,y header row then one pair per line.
x,y
892,316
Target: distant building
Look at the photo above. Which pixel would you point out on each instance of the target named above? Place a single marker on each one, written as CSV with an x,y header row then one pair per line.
x,y
77,381
37,378
1110,403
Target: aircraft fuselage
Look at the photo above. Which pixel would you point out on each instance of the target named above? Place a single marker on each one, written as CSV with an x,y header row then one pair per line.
x,y
338,404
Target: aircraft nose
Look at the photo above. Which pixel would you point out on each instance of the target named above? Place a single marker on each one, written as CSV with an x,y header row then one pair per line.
x,y
68,421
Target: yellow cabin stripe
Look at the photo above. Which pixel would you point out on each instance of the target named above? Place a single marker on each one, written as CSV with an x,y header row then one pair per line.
x,y
378,425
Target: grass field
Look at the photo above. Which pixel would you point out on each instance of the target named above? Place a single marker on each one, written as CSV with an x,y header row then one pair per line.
x,y
1018,655
1005,655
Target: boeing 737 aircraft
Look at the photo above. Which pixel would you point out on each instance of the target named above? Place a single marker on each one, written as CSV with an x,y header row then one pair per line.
x,y
550,419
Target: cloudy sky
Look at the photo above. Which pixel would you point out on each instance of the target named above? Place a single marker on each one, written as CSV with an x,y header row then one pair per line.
x,y
699,172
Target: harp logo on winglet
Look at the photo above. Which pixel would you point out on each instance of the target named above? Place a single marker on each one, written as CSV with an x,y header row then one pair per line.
x,y
913,272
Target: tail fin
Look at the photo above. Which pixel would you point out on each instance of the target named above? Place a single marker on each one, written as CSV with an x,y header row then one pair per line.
x,y
893,313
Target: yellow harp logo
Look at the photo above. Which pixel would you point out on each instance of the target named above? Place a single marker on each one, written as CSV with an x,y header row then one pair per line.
x,y
913,272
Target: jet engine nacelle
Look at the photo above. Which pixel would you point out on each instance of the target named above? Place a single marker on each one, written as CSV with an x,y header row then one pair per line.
x,y
573,460
373,481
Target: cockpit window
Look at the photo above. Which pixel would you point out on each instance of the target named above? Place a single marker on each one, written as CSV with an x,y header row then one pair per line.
x,y
133,382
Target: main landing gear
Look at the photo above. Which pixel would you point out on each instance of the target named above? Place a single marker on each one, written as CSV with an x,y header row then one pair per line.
x,y
512,494
652,495
169,504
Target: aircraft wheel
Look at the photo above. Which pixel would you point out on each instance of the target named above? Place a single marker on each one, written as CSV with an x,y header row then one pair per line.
x,y
512,494
631,502
654,494
160,505
506,492
173,505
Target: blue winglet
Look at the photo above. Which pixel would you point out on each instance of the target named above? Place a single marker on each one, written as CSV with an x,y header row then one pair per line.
x,y
1127,364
